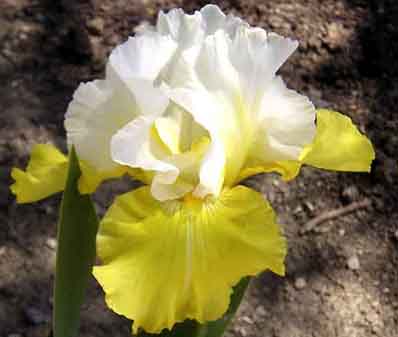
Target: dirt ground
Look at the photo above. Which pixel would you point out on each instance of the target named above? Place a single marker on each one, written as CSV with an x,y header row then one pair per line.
x,y
342,276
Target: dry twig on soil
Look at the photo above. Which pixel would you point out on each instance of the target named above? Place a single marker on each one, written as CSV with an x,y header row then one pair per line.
x,y
8,58
310,225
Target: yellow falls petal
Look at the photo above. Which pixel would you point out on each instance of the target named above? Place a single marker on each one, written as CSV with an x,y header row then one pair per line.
x,y
338,145
44,175
91,178
288,169
167,262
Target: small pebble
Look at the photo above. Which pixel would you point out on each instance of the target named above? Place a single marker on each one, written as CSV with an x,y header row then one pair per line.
x,y
51,243
341,232
350,194
375,304
298,209
96,26
3,250
36,316
48,209
353,263
260,311
247,319
23,36
275,183
242,331
309,206
300,283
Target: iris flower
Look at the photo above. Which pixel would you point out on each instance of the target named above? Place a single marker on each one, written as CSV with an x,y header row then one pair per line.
x,y
191,107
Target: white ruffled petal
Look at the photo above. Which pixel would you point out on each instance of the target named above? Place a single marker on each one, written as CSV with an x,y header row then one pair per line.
x,y
209,113
287,124
151,101
186,30
257,56
213,66
96,112
141,57
213,18
169,191
134,146
233,24
212,170
169,23
178,130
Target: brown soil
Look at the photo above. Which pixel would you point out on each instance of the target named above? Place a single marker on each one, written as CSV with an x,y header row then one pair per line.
x,y
342,277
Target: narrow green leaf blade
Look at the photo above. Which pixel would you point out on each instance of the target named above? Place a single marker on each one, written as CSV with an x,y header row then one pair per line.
x,y
77,230
212,329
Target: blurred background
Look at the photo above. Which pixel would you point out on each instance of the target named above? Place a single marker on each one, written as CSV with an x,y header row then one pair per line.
x,y
342,274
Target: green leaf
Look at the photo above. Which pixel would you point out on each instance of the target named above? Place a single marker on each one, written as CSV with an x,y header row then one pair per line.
x,y
212,329
77,230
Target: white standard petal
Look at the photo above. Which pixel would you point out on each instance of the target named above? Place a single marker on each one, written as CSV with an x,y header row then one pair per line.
x,y
151,101
96,112
257,56
192,32
213,18
187,30
212,97
141,57
213,66
178,130
163,191
169,23
212,170
206,112
233,24
134,146
287,124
